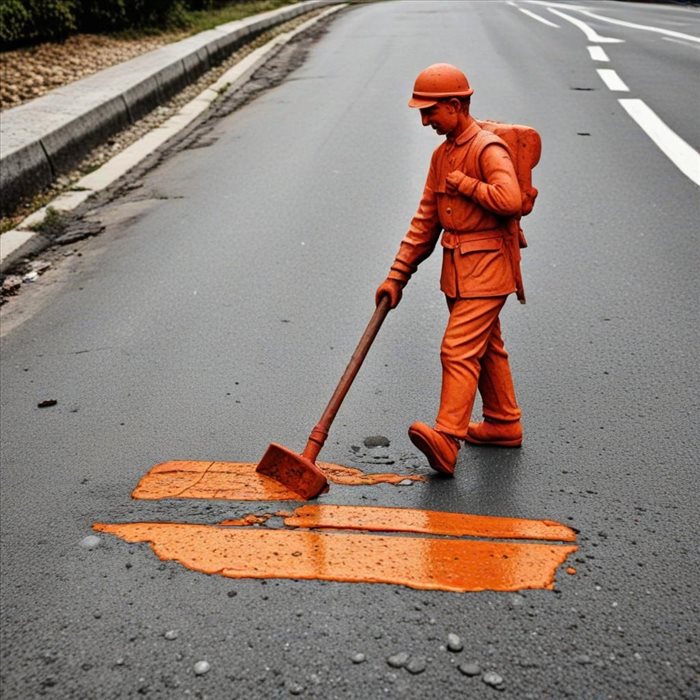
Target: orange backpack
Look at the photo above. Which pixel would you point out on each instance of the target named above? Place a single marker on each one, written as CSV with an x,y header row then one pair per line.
x,y
525,147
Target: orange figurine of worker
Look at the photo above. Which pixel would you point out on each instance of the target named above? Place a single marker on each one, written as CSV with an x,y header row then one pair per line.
x,y
471,194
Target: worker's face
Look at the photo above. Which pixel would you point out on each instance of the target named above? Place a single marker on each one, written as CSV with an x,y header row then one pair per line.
x,y
442,116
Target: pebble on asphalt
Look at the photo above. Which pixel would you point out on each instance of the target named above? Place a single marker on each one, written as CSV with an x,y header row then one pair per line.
x,y
376,441
358,658
90,542
171,634
454,643
469,668
398,660
493,679
201,667
417,665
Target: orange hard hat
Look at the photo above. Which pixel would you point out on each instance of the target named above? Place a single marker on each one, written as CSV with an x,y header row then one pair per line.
x,y
437,82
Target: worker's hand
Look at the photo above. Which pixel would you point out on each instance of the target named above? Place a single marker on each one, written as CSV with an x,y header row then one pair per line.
x,y
391,288
453,181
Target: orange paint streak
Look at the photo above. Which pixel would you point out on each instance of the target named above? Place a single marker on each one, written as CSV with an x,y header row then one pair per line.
x,y
239,481
427,521
422,563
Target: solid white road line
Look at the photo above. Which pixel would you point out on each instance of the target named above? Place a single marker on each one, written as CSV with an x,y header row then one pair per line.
x,y
678,151
590,33
612,80
645,27
680,41
538,18
597,54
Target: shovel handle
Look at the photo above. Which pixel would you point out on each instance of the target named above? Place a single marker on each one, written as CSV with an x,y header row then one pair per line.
x,y
320,432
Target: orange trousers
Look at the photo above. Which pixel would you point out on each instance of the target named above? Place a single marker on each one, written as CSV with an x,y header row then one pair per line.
x,y
474,357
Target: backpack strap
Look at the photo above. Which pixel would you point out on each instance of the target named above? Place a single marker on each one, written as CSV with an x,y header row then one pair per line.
x,y
472,161
515,239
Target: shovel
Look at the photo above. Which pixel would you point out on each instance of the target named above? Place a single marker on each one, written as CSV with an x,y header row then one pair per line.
x,y
298,472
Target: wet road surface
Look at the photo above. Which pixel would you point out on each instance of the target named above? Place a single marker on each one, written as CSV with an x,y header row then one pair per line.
x,y
220,306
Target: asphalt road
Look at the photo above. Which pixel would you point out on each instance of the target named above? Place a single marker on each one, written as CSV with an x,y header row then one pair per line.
x,y
222,302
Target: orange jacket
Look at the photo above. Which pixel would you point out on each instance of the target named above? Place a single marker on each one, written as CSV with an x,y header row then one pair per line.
x,y
476,260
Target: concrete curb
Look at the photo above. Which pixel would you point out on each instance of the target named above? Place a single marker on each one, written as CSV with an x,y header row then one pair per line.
x,y
47,136
25,241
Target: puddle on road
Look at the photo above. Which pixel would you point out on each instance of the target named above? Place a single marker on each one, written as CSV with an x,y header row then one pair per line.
x,y
240,482
236,549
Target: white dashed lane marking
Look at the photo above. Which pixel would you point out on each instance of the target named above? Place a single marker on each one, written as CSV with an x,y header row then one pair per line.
x,y
598,54
612,80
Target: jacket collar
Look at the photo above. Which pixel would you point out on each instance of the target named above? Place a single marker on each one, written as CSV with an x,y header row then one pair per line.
x,y
468,134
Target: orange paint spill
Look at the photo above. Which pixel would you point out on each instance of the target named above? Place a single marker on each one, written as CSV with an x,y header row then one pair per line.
x,y
428,522
239,481
422,563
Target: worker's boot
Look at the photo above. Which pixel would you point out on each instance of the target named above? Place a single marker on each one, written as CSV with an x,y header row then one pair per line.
x,y
497,433
440,448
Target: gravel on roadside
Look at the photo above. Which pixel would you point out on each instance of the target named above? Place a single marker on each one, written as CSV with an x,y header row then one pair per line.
x,y
31,72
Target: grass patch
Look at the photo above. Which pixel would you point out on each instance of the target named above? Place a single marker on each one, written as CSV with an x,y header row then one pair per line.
x,y
195,21
54,223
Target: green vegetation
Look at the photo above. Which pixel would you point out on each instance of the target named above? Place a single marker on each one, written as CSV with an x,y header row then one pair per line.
x,y
25,22
54,223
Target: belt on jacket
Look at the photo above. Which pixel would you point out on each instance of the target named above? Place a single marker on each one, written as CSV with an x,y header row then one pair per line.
x,y
452,239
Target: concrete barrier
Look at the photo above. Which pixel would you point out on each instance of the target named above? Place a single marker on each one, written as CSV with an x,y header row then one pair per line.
x,y
48,136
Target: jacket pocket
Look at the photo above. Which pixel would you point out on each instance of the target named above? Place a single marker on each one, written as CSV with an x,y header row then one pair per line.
x,y
482,267
479,245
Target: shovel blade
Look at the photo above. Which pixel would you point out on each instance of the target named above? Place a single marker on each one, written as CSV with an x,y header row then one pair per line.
x,y
292,470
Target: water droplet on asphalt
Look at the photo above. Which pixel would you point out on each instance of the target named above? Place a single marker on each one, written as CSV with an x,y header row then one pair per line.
x,y
91,541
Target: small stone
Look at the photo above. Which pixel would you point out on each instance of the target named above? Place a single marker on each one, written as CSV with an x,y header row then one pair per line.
x,y
358,658
417,665
47,403
454,643
376,441
91,542
171,634
406,482
469,668
516,600
582,659
398,660
493,679
201,667
31,276
295,688
11,284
